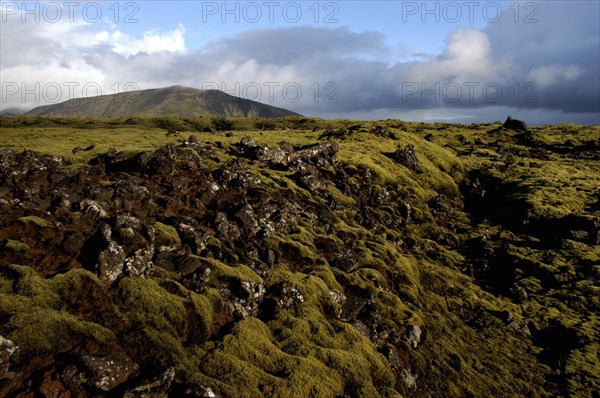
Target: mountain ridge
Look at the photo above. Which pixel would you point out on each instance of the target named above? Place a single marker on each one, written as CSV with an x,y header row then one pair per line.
x,y
172,100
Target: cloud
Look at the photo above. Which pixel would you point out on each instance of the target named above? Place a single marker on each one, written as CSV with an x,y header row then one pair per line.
x,y
548,75
288,45
549,68
152,42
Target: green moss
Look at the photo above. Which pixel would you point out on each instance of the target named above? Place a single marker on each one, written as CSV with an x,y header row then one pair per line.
x,y
166,235
38,330
413,274
34,320
27,283
249,355
75,280
164,344
37,221
126,235
203,308
16,246
221,272
145,301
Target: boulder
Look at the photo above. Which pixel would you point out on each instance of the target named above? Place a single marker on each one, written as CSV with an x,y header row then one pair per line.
x,y
93,209
320,155
140,262
7,349
356,300
412,337
167,160
82,149
154,388
228,230
275,157
108,372
407,157
106,162
347,260
290,297
103,255
246,297
235,174
177,260
381,131
248,220
514,124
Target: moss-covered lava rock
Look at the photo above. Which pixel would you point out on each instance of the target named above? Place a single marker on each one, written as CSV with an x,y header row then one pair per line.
x,y
323,259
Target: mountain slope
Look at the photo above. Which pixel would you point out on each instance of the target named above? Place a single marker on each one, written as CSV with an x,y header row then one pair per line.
x,y
12,112
174,100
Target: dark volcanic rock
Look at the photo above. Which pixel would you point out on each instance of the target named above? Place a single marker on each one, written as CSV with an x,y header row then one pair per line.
x,y
178,261
514,124
235,174
103,255
407,157
155,388
356,300
275,157
381,131
7,349
320,155
167,160
107,372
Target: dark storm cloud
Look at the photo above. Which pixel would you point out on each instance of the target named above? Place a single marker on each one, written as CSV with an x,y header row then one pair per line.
x,y
549,67
290,45
551,64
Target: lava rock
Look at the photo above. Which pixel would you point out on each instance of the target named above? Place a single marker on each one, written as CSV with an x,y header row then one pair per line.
x,y
228,230
407,157
108,372
412,337
246,297
247,143
514,124
380,131
346,260
235,174
320,155
156,388
178,261
140,263
275,157
93,209
356,300
103,255
7,349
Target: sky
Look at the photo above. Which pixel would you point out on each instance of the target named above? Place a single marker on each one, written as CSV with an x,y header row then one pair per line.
x,y
453,61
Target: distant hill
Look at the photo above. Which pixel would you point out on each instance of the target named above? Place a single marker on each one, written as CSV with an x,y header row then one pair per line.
x,y
12,112
174,100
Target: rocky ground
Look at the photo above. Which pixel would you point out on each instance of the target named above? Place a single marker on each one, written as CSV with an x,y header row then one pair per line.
x,y
358,260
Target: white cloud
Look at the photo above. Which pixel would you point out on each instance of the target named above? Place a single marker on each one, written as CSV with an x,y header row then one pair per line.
x,y
363,80
548,75
153,42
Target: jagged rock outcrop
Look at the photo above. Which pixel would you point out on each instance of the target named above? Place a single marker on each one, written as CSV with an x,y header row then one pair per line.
x,y
514,124
407,157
